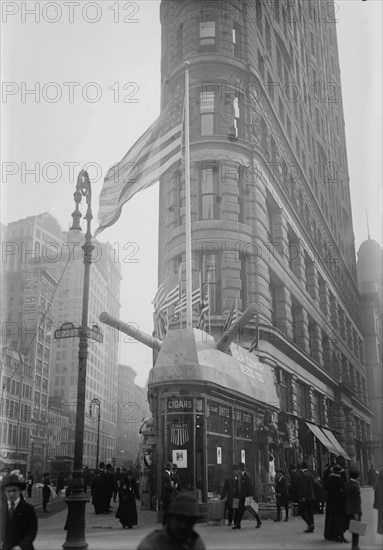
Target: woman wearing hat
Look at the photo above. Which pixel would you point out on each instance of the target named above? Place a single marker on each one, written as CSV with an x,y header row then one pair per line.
x,y
178,531
18,517
128,493
335,521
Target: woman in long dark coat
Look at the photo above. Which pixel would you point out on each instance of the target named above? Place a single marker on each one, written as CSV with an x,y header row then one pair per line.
x,y
335,522
128,493
378,501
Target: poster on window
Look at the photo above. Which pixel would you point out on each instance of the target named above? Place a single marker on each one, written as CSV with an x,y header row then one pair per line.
x,y
219,455
243,456
180,458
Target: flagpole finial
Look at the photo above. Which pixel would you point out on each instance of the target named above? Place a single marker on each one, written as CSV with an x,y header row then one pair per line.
x,y
187,65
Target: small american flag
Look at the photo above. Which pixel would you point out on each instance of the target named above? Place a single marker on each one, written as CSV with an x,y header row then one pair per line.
x,y
159,149
204,312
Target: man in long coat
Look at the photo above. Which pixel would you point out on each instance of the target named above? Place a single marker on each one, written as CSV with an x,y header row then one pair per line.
x,y
167,490
18,517
306,496
231,491
353,506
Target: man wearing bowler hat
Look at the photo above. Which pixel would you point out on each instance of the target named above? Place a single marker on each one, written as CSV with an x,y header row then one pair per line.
x,y
178,532
18,517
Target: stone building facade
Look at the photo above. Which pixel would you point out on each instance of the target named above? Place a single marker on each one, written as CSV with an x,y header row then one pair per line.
x,y
270,202
370,265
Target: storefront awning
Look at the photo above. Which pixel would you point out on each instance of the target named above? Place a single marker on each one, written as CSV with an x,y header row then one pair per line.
x,y
322,438
336,444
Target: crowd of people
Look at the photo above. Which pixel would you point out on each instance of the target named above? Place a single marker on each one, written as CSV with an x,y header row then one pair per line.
x,y
337,493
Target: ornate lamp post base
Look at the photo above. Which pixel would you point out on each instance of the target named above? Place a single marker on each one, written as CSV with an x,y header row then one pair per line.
x,y
75,522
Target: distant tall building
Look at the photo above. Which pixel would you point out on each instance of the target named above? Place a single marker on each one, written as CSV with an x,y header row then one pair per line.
x,y
132,407
16,409
42,287
27,290
104,295
370,265
271,214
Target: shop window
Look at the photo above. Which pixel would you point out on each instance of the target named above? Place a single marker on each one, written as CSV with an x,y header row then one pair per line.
x,y
209,191
243,424
219,418
207,36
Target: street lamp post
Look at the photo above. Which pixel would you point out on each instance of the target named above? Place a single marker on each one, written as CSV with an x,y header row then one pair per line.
x,y
97,402
75,523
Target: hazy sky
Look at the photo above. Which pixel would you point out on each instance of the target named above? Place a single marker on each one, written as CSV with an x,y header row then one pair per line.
x,y
95,67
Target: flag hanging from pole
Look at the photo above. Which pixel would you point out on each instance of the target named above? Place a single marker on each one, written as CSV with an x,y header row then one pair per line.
x,y
204,313
232,316
255,343
159,149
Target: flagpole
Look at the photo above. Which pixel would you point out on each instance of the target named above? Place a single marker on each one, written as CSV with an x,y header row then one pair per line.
x,y
208,298
180,291
189,313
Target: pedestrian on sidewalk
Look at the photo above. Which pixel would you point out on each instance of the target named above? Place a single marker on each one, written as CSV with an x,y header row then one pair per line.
x,y
305,483
378,501
245,490
178,530
97,492
175,480
335,521
30,482
282,494
353,506
60,483
109,487
167,491
128,493
18,517
46,492
230,492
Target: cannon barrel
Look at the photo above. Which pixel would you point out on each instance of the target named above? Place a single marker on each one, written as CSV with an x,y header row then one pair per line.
x,y
131,330
236,327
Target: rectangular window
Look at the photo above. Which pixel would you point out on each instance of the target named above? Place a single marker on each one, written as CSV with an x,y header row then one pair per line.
x,y
236,116
180,43
283,391
209,186
207,36
207,113
236,36
301,400
210,267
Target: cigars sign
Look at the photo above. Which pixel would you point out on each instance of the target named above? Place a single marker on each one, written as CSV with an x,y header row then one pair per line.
x,y
178,404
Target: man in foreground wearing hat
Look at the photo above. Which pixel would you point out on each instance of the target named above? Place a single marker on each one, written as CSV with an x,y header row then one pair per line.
x,y
178,532
18,517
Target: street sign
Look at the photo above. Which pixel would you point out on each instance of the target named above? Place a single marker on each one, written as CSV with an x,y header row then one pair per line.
x,y
68,330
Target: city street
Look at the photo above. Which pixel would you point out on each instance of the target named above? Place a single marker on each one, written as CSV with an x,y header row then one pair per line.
x,y
104,532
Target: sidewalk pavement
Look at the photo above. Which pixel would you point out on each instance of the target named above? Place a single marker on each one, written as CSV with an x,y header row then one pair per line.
x,y
104,532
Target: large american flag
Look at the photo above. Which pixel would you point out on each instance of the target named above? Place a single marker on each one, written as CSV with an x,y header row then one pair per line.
x,y
159,149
